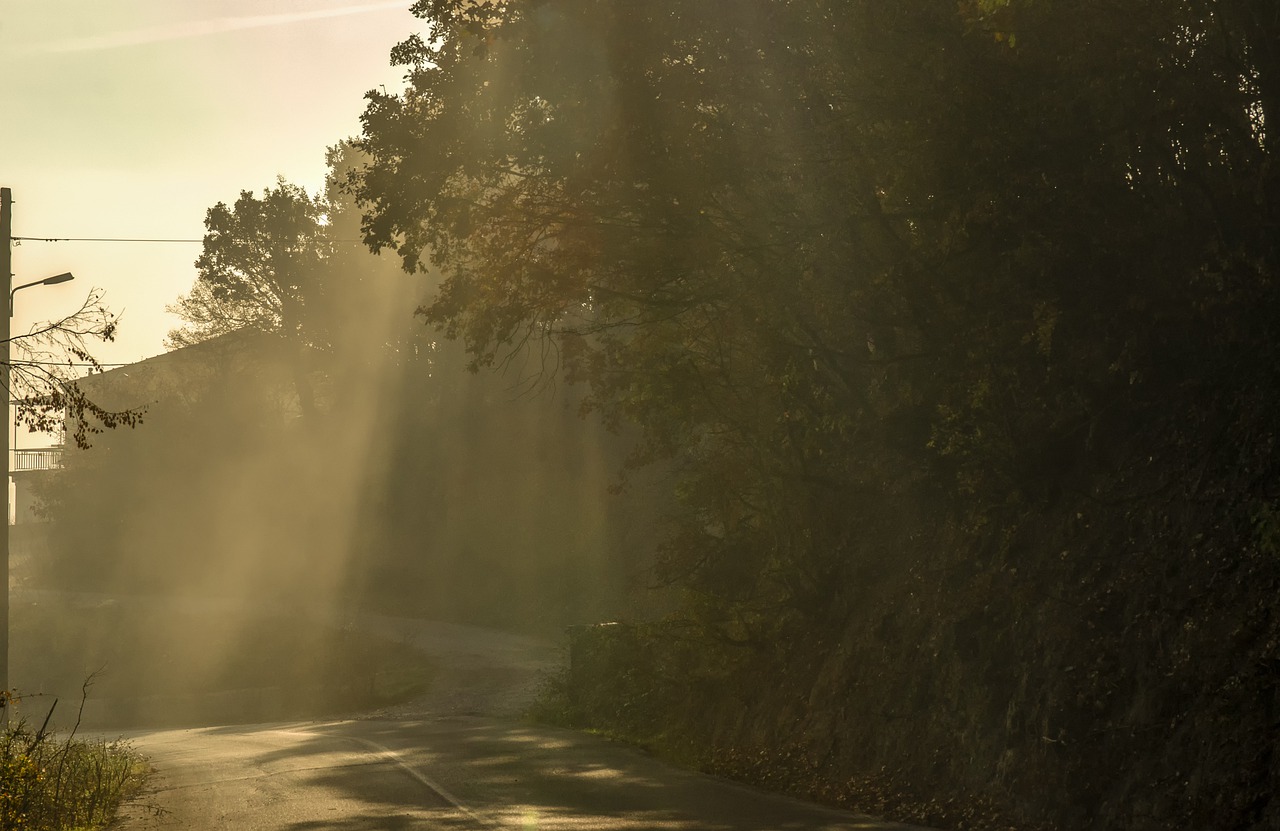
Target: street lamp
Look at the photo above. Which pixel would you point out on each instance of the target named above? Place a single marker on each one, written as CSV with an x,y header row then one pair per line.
x,y
64,277
6,377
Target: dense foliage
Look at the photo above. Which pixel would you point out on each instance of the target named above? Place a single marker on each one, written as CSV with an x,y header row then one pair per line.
x,y
957,324
52,783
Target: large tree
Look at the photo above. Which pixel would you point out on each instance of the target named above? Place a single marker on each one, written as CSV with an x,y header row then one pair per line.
x,y
291,264
684,202
940,312
263,259
790,240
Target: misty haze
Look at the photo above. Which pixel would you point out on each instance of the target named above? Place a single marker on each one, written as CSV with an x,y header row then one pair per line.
x,y
566,414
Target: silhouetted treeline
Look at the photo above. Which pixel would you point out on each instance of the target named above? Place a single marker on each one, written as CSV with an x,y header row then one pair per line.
x,y
957,323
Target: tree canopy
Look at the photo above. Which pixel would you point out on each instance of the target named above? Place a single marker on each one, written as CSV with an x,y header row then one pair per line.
x,y
261,257
915,297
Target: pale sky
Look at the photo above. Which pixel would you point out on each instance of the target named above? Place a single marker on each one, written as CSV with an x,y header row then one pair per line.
x,y
131,118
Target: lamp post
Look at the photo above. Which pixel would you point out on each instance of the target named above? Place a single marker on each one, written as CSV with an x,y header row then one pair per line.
x,y
6,378
64,277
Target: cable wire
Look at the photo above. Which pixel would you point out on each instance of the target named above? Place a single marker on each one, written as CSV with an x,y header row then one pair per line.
x,y
98,239
128,239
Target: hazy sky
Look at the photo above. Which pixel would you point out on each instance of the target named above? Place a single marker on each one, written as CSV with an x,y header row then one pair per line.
x,y
131,118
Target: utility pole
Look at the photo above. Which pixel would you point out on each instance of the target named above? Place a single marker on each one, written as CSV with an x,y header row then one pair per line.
x,y
6,378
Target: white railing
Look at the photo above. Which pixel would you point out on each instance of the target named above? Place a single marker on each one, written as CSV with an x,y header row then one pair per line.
x,y
45,458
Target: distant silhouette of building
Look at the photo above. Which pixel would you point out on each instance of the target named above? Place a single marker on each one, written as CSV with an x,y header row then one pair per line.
x,y
180,377
180,374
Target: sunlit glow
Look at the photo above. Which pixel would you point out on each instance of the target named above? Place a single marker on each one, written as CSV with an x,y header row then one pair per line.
x,y
203,28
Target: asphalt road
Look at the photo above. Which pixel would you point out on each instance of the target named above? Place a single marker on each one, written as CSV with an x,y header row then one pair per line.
x,y
455,759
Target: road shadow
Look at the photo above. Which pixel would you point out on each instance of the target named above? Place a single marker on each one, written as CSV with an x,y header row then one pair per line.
x,y
510,775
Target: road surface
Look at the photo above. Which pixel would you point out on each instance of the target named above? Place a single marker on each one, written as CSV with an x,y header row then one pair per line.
x,y
455,759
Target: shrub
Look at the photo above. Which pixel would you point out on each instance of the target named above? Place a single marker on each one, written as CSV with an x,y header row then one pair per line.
x,y
47,784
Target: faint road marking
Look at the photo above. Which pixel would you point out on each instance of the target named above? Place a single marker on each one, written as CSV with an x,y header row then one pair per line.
x,y
417,775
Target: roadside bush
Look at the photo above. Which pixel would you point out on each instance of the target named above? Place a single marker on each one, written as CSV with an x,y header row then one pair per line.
x,y
48,784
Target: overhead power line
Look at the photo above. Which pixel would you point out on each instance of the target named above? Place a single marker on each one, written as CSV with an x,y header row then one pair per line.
x,y
129,239
99,239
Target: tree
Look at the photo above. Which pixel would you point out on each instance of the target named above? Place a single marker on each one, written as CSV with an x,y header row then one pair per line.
x,y
957,323
262,260
43,374
764,233
291,264
695,206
